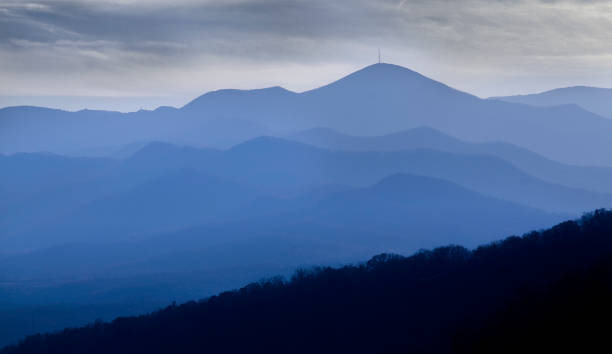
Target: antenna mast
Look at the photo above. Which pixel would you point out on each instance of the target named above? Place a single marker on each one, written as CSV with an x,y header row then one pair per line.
x,y
378,55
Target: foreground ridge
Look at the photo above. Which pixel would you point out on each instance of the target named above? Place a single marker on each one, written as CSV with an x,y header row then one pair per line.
x,y
447,300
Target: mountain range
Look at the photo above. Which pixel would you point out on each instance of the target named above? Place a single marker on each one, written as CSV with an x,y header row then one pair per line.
x,y
165,187
379,99
583,177
395,213
594,99
105,213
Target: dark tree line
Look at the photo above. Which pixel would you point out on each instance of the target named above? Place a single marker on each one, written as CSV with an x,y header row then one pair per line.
x,y
542,291
571,316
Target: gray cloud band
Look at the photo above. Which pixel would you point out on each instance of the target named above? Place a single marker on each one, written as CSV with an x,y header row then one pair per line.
x,y
108,34
211,25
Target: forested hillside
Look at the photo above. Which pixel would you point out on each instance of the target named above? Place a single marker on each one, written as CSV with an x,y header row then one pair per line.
x,y
539,292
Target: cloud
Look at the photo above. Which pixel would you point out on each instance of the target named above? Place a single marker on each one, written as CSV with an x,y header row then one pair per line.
x,y
137,39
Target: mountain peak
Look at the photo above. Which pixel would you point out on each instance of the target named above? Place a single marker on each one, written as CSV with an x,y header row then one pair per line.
x,y
391,78
384,70
387,68
374,72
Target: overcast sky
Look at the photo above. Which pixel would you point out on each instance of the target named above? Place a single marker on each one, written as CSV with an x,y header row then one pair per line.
x,y
127,54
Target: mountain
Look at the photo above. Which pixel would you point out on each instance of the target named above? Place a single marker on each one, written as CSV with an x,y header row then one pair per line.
x,y
584,177
379,99
383,98
277,163
329,226
159,186
89,132
270,236
594,99
405,207
448,300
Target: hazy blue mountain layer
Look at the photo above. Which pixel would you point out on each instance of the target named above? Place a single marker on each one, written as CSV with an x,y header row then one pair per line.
x,y
594,99
590,178
164,187
395,213
379,99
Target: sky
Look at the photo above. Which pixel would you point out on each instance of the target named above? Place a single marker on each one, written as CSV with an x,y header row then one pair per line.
x,y
131,54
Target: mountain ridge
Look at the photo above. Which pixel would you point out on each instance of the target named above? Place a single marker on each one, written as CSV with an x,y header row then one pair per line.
x,y
276,167
595,99
375,100
583,177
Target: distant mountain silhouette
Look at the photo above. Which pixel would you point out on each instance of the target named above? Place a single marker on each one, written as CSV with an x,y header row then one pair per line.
x,y
399,210
519,294
264,166
588,178
594,99
379,99
281,165
165,186
408,204
275,163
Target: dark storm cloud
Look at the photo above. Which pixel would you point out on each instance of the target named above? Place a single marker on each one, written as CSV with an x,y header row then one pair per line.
x,y
209,26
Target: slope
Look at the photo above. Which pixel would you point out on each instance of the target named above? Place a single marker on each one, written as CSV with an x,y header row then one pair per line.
x,y
390,304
